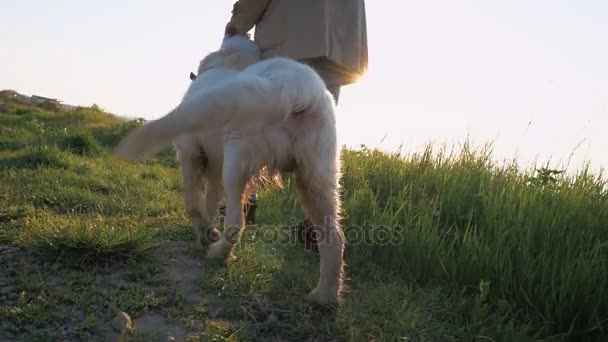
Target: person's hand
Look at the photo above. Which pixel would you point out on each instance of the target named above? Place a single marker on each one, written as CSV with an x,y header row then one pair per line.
x,y
231,30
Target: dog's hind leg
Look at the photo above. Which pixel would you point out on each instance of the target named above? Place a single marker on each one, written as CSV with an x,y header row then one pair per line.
x,y
192,176
212,193
235,176
319,198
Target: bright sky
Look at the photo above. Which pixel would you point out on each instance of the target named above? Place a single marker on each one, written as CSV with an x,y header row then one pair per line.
x,y
531,76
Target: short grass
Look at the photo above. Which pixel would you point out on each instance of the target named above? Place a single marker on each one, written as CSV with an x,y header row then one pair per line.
x,y
442,246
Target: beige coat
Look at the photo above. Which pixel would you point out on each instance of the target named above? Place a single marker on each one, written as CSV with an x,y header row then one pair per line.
x,y
335,29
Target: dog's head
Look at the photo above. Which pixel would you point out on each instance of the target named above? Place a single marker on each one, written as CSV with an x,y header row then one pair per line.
x,y
236,52
218,59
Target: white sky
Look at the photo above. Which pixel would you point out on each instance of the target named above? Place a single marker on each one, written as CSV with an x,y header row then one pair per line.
x,y
531,76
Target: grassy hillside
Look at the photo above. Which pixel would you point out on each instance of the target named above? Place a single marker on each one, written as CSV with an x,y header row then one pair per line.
x,y
441,247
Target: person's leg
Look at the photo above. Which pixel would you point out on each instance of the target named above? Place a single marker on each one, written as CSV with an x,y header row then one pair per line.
x,y
250,208
328,72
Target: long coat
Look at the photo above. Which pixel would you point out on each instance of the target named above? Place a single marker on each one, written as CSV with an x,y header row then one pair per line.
x,y
301,29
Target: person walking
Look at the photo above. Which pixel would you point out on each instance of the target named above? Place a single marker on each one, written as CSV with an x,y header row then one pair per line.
x,y
328,35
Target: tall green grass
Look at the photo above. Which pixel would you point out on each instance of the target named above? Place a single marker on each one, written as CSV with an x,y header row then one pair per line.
x,y
461,220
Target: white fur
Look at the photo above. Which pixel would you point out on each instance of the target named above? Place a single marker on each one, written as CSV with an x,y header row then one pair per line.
x,y
238,119
248,51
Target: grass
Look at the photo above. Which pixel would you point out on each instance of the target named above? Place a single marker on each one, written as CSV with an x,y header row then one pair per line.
x,y
442,245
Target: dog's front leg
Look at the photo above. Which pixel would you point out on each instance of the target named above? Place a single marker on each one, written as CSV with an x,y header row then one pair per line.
x,y
235,175
212,193
192,177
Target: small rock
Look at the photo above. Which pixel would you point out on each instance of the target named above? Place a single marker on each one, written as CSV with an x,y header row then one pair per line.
x,y
122,322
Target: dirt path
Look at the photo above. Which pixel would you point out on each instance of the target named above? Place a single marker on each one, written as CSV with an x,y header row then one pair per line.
x,y
73,298
186,272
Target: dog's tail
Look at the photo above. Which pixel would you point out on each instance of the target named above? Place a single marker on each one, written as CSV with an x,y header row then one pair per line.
x,y
245,102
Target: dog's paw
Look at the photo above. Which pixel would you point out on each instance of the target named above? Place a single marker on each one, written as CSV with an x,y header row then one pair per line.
x,y
323,297
220,252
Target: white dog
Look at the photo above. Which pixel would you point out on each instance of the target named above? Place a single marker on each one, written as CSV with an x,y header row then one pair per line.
x,y
241,117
